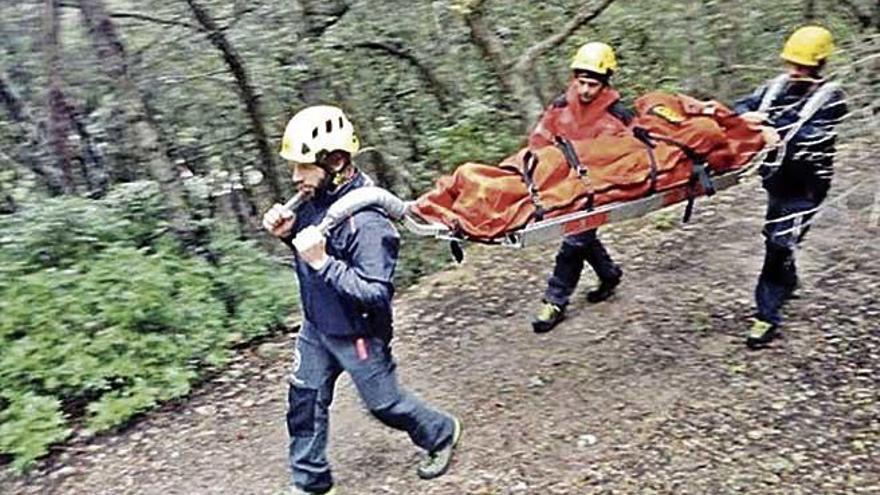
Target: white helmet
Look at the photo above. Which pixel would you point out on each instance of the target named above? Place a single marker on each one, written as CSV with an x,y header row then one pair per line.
x,y
315,129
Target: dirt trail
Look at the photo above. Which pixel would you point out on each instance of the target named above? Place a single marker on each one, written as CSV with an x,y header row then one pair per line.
x,y
650,392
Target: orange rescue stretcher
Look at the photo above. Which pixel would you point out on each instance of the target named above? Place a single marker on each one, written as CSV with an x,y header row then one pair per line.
x,y
680,148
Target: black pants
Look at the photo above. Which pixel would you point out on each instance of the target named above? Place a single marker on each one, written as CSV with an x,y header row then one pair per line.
x,y
787,222
575,250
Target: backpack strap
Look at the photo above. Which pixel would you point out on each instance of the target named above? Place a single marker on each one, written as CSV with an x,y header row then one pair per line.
x,y
774,89
817,100
814,103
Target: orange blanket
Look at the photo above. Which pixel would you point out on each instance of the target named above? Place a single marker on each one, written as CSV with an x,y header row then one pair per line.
x,y
485,201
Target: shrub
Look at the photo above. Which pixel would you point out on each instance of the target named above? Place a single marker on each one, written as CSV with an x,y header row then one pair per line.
x,y
102,316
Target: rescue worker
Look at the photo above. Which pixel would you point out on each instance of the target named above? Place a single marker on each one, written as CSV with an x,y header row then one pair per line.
x,y
346,289
797,172
589,108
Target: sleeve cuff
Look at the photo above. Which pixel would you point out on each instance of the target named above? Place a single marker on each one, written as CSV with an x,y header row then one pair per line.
x,y
324,271
323,263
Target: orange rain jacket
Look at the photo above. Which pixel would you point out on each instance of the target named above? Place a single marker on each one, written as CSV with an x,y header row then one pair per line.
x,y
573,119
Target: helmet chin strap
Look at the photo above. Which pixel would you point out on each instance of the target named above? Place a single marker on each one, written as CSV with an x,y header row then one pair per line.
x,y
334,178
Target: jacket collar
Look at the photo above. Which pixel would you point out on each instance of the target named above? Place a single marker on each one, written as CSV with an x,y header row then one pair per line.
x,y
324,198
592,111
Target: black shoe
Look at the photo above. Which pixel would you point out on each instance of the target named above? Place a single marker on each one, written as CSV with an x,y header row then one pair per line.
x,y
761,333
330,491
605,289
547,317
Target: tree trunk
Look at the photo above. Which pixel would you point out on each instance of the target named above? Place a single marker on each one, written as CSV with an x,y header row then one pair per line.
x,y
143,131
490,47
25,132
59,113
515,78
248,95
94,169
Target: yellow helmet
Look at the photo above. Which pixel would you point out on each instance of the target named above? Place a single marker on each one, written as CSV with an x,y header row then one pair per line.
x,y
595,57
315,129
808,46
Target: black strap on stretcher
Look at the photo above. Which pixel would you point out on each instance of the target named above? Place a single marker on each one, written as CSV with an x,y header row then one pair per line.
x,y
699,172
644,136
530,163
574,162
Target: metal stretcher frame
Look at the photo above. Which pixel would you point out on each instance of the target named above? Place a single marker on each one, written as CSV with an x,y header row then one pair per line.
x,y
579,221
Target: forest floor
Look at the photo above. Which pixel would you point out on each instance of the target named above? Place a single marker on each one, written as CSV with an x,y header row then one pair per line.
x,y
652,391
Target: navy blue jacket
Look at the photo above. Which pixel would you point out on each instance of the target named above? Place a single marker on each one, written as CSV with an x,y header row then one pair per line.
x,y
351,294
806,169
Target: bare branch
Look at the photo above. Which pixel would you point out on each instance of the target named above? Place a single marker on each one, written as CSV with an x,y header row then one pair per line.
x,y
526,62
396,49
140,17
489,45
487,42
753,67
515,77
174,79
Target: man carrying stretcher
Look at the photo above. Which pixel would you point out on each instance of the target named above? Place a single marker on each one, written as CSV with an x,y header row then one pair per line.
x,y
803,107
589,108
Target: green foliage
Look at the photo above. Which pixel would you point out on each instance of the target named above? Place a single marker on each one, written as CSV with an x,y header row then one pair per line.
x,y
117,407
99,307
57,233
475,136
138,207
28,425
252,306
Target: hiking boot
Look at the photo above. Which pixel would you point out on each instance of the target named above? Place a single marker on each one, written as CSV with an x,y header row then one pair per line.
x,y
437,462
761,333
297,491
605,289
547,317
